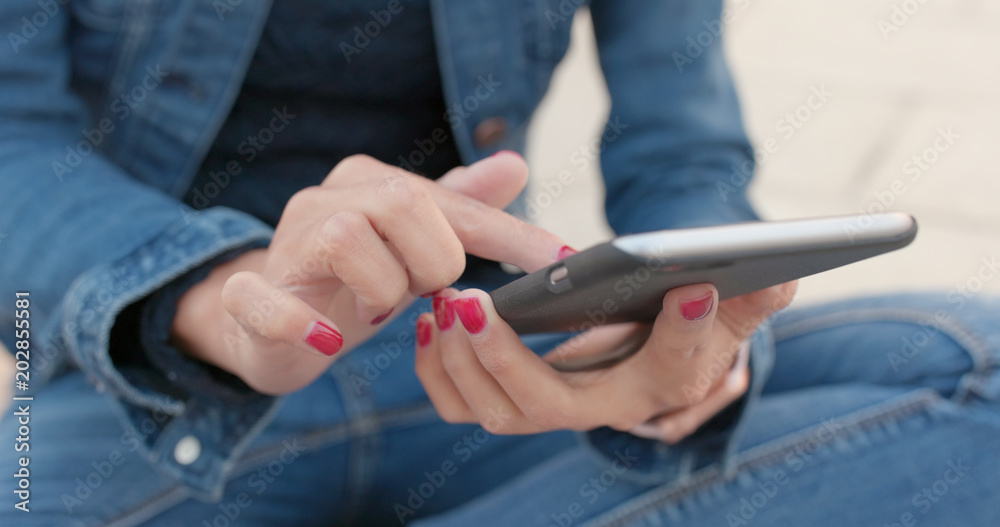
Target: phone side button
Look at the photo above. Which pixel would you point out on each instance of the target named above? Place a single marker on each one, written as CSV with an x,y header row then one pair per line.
x,y
558,281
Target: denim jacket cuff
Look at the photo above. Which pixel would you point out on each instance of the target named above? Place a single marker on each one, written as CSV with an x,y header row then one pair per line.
x,y
651,462
189,434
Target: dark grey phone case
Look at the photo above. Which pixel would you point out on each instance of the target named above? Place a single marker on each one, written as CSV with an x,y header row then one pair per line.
x,y
625,280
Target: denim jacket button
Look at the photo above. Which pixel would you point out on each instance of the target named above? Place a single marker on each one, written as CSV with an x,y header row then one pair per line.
x,y
187,450
489,132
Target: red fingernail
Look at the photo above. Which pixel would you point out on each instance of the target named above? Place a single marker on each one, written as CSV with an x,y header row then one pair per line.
x,y
444,314
325,339
470,311
505,152
565,251
378,320
430,295
698,308
423,332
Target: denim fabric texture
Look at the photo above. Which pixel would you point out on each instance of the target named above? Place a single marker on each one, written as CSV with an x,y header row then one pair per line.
x,y
108,110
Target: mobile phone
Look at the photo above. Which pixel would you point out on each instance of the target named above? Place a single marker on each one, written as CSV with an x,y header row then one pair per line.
x,y
624,280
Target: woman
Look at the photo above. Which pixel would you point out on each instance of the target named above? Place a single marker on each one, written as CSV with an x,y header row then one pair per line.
x,y
225,263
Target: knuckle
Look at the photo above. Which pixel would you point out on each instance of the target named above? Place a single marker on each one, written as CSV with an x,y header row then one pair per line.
x,y
470,222
452,361
692,394
443,272
237,285
633,417
302,200
496,363
342,231
351,164
403,194
451,415
494,426
389,292
553,416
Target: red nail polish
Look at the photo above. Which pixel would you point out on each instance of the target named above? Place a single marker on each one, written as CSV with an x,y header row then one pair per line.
x,y
470,311
379,319
565,251
698,308
325,339
423,332
505,152
444,313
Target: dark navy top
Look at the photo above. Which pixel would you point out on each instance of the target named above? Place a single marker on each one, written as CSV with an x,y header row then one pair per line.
x,y
319,88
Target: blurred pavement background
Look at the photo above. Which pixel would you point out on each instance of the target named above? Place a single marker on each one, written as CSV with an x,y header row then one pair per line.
x,y
900,71
896,80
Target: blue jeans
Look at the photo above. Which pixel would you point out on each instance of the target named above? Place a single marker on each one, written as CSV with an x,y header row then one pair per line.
x,y
875,412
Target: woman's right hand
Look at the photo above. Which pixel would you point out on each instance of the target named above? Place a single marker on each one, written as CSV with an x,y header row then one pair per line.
x,y
345,256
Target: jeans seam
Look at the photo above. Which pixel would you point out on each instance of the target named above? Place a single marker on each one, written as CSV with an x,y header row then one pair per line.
x,y
169,497
313,441
983,362
758,457
321,438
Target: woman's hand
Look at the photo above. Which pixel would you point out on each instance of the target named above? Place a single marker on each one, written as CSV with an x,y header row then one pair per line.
x,y
344,257
478,370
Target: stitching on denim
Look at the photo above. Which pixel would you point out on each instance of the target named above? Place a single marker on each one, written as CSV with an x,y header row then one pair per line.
x,y
170,497
763,455
312,441
983,362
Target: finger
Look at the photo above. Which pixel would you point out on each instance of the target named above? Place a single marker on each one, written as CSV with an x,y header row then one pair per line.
x,y
493,408
496,235
540,392
683,327
654,379
495,181
402,211
743,314
445,397
358,257
675,427
276,324
483,230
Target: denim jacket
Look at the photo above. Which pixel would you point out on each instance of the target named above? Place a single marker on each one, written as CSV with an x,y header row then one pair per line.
x,y
107,108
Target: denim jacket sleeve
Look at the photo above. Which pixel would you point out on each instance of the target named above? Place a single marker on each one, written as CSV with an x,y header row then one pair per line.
x,y
675,155
676,135
91,240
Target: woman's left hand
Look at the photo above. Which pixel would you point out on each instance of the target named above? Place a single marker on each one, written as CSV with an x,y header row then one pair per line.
x,y
476,369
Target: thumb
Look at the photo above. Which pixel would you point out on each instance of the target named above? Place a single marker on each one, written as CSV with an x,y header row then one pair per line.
x,y
495,181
